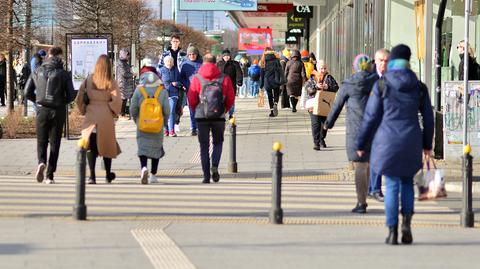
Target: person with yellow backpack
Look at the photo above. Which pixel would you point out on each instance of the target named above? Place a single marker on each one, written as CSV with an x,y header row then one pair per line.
x,y
309,68
149,109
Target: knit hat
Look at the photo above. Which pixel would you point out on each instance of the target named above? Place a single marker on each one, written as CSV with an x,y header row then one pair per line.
x,y
400,52
147,61
148,69
226,52
304,54
42,53
286,53
193,49
361,63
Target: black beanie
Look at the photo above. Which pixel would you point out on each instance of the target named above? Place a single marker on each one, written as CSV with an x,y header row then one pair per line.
x,y
401,52
225,53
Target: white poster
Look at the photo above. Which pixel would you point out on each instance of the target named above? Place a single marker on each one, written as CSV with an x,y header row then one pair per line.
x,y
85,53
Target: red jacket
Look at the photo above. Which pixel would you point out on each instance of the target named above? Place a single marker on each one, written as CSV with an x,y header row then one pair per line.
x,y
209,71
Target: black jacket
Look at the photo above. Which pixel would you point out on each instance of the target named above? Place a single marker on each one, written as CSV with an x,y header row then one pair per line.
x,y
62,88
3,70
233,70
473,69
267,79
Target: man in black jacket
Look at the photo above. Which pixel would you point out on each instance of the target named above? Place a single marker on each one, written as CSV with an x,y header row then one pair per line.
x,y
3,78
51,88
232,69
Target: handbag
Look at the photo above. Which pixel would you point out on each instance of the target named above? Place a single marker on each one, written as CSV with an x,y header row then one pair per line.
x,y
430,183
261,98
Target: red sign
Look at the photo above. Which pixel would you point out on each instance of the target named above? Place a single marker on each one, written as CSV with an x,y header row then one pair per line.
x,y
270,10
254,38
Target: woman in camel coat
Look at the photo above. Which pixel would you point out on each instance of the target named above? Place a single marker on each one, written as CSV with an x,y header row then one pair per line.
x,y
102,105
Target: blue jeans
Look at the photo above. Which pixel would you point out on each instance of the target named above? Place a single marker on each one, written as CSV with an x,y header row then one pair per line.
x,y
245,86
254,88
375,185
170,124
193,122
394,186
218,129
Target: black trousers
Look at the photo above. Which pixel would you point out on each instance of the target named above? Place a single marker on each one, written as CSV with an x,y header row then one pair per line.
x,y
3,84
144,160
92,155
218,129
285,100
124,107
273,96
318,132
50,123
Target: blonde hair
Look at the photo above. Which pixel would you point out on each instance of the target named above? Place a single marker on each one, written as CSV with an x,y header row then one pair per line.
x,y
102,76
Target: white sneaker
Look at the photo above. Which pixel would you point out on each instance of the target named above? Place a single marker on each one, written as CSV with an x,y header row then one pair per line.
x,y
144,175
49,181
177,128
39,175
152,179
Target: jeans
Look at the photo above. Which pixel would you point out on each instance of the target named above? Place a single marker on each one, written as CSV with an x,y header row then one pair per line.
x,y
218,129
375,185
49,123
254,88
394,185
193,122
170,123
245,86
273,95
318,132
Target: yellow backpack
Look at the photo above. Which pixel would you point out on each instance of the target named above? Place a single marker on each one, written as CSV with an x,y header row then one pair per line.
x,y
151,114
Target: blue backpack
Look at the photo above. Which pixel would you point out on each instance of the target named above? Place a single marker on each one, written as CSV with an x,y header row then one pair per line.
x,y
254,72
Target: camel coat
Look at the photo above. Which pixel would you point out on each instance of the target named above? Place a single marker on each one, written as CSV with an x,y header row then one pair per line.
x,y
99,114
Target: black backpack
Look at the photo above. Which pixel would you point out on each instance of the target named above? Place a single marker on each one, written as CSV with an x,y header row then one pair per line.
x,y
212,101
49,86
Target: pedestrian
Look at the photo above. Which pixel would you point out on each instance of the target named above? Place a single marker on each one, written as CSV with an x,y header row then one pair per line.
x,y
354,92
270,79
189,69
323,82
391,119
3,78
375,186
213,90
474,68
232,69
254,72
150,144
37,59
244,65
169,76
175,51
313,60
124,77
100,101
22,80
51,99
285,100
309,68
296,76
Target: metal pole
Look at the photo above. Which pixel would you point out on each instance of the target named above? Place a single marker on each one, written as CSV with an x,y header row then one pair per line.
x,y
80,209
276,212
232,163
467,218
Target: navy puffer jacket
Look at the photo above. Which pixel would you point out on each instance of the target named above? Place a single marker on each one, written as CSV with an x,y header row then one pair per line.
x,y
398,141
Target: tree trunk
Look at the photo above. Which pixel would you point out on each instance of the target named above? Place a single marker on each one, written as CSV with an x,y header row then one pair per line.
x,y
10,85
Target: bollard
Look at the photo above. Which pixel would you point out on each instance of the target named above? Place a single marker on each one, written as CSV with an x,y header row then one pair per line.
x,y
232,163
80,209
467,218
276,212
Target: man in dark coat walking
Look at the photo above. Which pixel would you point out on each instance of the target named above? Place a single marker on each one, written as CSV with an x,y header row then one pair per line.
x,y
233,70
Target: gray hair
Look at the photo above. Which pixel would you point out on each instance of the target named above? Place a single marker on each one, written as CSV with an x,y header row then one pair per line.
x,y
168,59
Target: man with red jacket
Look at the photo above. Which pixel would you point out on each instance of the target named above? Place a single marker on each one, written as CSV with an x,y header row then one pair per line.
x,y
208,116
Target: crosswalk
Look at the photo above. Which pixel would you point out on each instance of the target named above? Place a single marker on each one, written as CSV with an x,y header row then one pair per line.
x,y
235,200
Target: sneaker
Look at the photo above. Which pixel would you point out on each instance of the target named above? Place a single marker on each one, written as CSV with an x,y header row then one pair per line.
x,y
152,179
144,175
275,110
323,144
49,181
316,147
215,175
173,134
177,128
360,208
39,174
194,133
166,133
294,110
91,181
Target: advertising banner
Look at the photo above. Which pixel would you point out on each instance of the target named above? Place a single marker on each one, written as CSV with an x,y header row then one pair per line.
x,y
294,22
220,5
254,38
291,39
303,12
85,53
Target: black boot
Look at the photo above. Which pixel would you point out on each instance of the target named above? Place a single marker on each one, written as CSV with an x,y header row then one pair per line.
x,y
109,177
406,229
91,158
360,208
293,101
392,238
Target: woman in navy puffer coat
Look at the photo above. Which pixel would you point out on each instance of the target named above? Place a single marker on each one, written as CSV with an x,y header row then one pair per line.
x,y
399,140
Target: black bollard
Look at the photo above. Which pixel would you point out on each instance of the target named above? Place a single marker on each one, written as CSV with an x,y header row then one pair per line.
x,y
467,218
232,163
276,212
80,209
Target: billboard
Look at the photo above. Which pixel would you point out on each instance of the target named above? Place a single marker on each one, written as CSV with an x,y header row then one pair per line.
x,y
254,38
220,5
85,53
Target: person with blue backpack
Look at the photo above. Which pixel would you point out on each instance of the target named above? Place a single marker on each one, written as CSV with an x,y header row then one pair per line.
x,y
211,95
254,72
188,70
